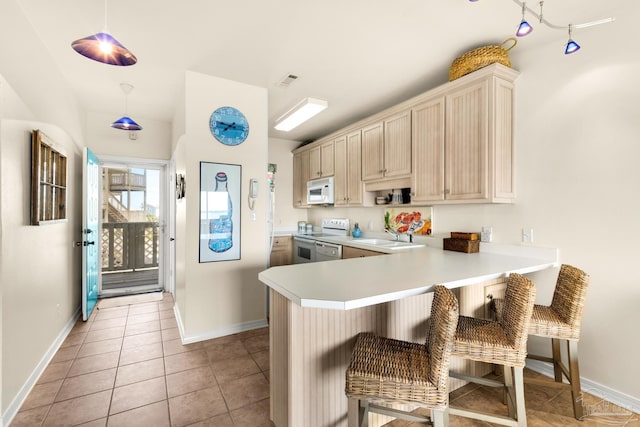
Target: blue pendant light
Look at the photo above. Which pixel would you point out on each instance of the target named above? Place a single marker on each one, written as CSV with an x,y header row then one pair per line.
x,y
572,46
103,47
524,28
125,122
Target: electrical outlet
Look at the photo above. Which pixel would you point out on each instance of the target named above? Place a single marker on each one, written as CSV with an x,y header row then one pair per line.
x,y
487,234
527,235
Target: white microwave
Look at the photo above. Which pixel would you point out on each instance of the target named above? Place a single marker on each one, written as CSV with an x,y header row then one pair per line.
x,y
320,191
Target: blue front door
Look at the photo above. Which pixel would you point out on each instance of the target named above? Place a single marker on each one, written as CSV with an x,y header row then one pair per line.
x,y
90,236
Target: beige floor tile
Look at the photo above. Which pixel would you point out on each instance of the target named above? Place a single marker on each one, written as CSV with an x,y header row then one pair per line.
x,y
244,391
257,343
30,417
42,395
104,334
218,351
98,362
137,395
168,323
191,380
262,359
141,339
167,314
223,420
184,361
153,415
138,354
100,347
170,334
86,384
138,309
108,323
197,406
232,369
66,353
111,313
102,422
140,371
73,339
142,327
55,371
79,410
164,306
253,415
175,347
142,318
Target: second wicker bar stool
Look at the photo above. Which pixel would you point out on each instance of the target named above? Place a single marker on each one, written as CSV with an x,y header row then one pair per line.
x,y
388,371
560,321
503,343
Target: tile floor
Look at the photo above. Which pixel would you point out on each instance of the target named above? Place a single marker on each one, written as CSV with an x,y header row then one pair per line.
x,y
126,366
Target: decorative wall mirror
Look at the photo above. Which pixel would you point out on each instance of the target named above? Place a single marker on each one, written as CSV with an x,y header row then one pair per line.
x,y
48,181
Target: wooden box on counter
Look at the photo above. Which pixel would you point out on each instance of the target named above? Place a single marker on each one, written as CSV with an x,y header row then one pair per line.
x,y
461,245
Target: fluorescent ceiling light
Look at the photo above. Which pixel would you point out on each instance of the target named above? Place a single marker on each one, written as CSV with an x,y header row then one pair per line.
x,y
300,113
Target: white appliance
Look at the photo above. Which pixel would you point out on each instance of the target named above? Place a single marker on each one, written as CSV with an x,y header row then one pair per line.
x,y
309,247
320,191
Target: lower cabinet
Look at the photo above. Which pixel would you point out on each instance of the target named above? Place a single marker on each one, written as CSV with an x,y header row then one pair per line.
x,y
282,251
351,252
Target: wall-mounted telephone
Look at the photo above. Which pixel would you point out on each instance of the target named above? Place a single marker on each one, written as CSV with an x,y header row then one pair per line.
x,y
253,194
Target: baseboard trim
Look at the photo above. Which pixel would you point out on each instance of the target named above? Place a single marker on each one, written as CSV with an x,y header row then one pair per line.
x,y
216,333
16,403
613,396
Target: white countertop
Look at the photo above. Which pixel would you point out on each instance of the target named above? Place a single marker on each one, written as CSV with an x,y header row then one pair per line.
x,y
359,282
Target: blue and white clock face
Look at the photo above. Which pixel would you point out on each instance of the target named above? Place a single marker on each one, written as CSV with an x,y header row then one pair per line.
x,y
229,126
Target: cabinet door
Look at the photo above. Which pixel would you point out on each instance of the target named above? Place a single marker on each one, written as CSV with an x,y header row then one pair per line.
x,y
373,152
315,163
282,251
397,145
341,171
351,252
300,178
327,159
354,168
427,125
466,155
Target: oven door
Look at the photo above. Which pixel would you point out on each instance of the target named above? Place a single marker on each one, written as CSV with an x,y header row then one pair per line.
x,y
304,250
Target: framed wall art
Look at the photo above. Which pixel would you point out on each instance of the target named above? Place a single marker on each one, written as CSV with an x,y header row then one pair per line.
x,y
219,211
48,181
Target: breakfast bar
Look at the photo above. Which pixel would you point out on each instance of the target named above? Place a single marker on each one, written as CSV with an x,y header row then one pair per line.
x,y
317,309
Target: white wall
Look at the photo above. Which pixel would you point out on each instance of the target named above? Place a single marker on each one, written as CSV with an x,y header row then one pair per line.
x,y
578,187
153,141
39,267
222,297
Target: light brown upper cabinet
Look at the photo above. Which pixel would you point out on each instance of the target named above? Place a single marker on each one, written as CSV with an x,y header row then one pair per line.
x,y
300,178
463,144
386,148
321,161
349,190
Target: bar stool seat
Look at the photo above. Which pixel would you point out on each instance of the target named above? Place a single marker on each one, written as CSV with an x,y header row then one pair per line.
x,y
560,321
503,343
384,371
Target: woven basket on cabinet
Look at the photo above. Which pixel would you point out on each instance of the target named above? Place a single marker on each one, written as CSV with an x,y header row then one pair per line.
x,y
481,57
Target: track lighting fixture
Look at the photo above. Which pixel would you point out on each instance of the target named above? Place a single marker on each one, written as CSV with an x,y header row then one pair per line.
x,y
525,28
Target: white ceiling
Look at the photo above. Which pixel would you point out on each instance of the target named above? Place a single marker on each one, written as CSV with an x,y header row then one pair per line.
x,y
359,55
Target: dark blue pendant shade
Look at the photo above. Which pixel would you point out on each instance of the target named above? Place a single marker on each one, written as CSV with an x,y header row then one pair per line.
x,y
523,29
102,47
571,47
126,123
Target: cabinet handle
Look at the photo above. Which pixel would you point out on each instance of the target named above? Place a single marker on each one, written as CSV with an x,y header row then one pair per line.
x,y
446,191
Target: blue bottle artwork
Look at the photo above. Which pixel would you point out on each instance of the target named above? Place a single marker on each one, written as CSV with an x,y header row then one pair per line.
x,y
221,224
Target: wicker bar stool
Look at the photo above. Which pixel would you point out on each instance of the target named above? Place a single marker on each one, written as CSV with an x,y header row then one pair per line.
x,y
560,321
388,371
503,343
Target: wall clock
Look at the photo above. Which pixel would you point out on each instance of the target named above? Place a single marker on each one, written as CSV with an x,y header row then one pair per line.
x,y
229,126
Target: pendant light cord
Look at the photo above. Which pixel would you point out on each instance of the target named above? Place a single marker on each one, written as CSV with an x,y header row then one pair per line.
x,y
105,16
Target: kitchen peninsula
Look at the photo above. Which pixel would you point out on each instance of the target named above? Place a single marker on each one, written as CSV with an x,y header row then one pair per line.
x,y
317,309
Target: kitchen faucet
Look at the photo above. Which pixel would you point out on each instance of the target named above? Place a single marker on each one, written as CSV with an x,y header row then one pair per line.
x,y
397,235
